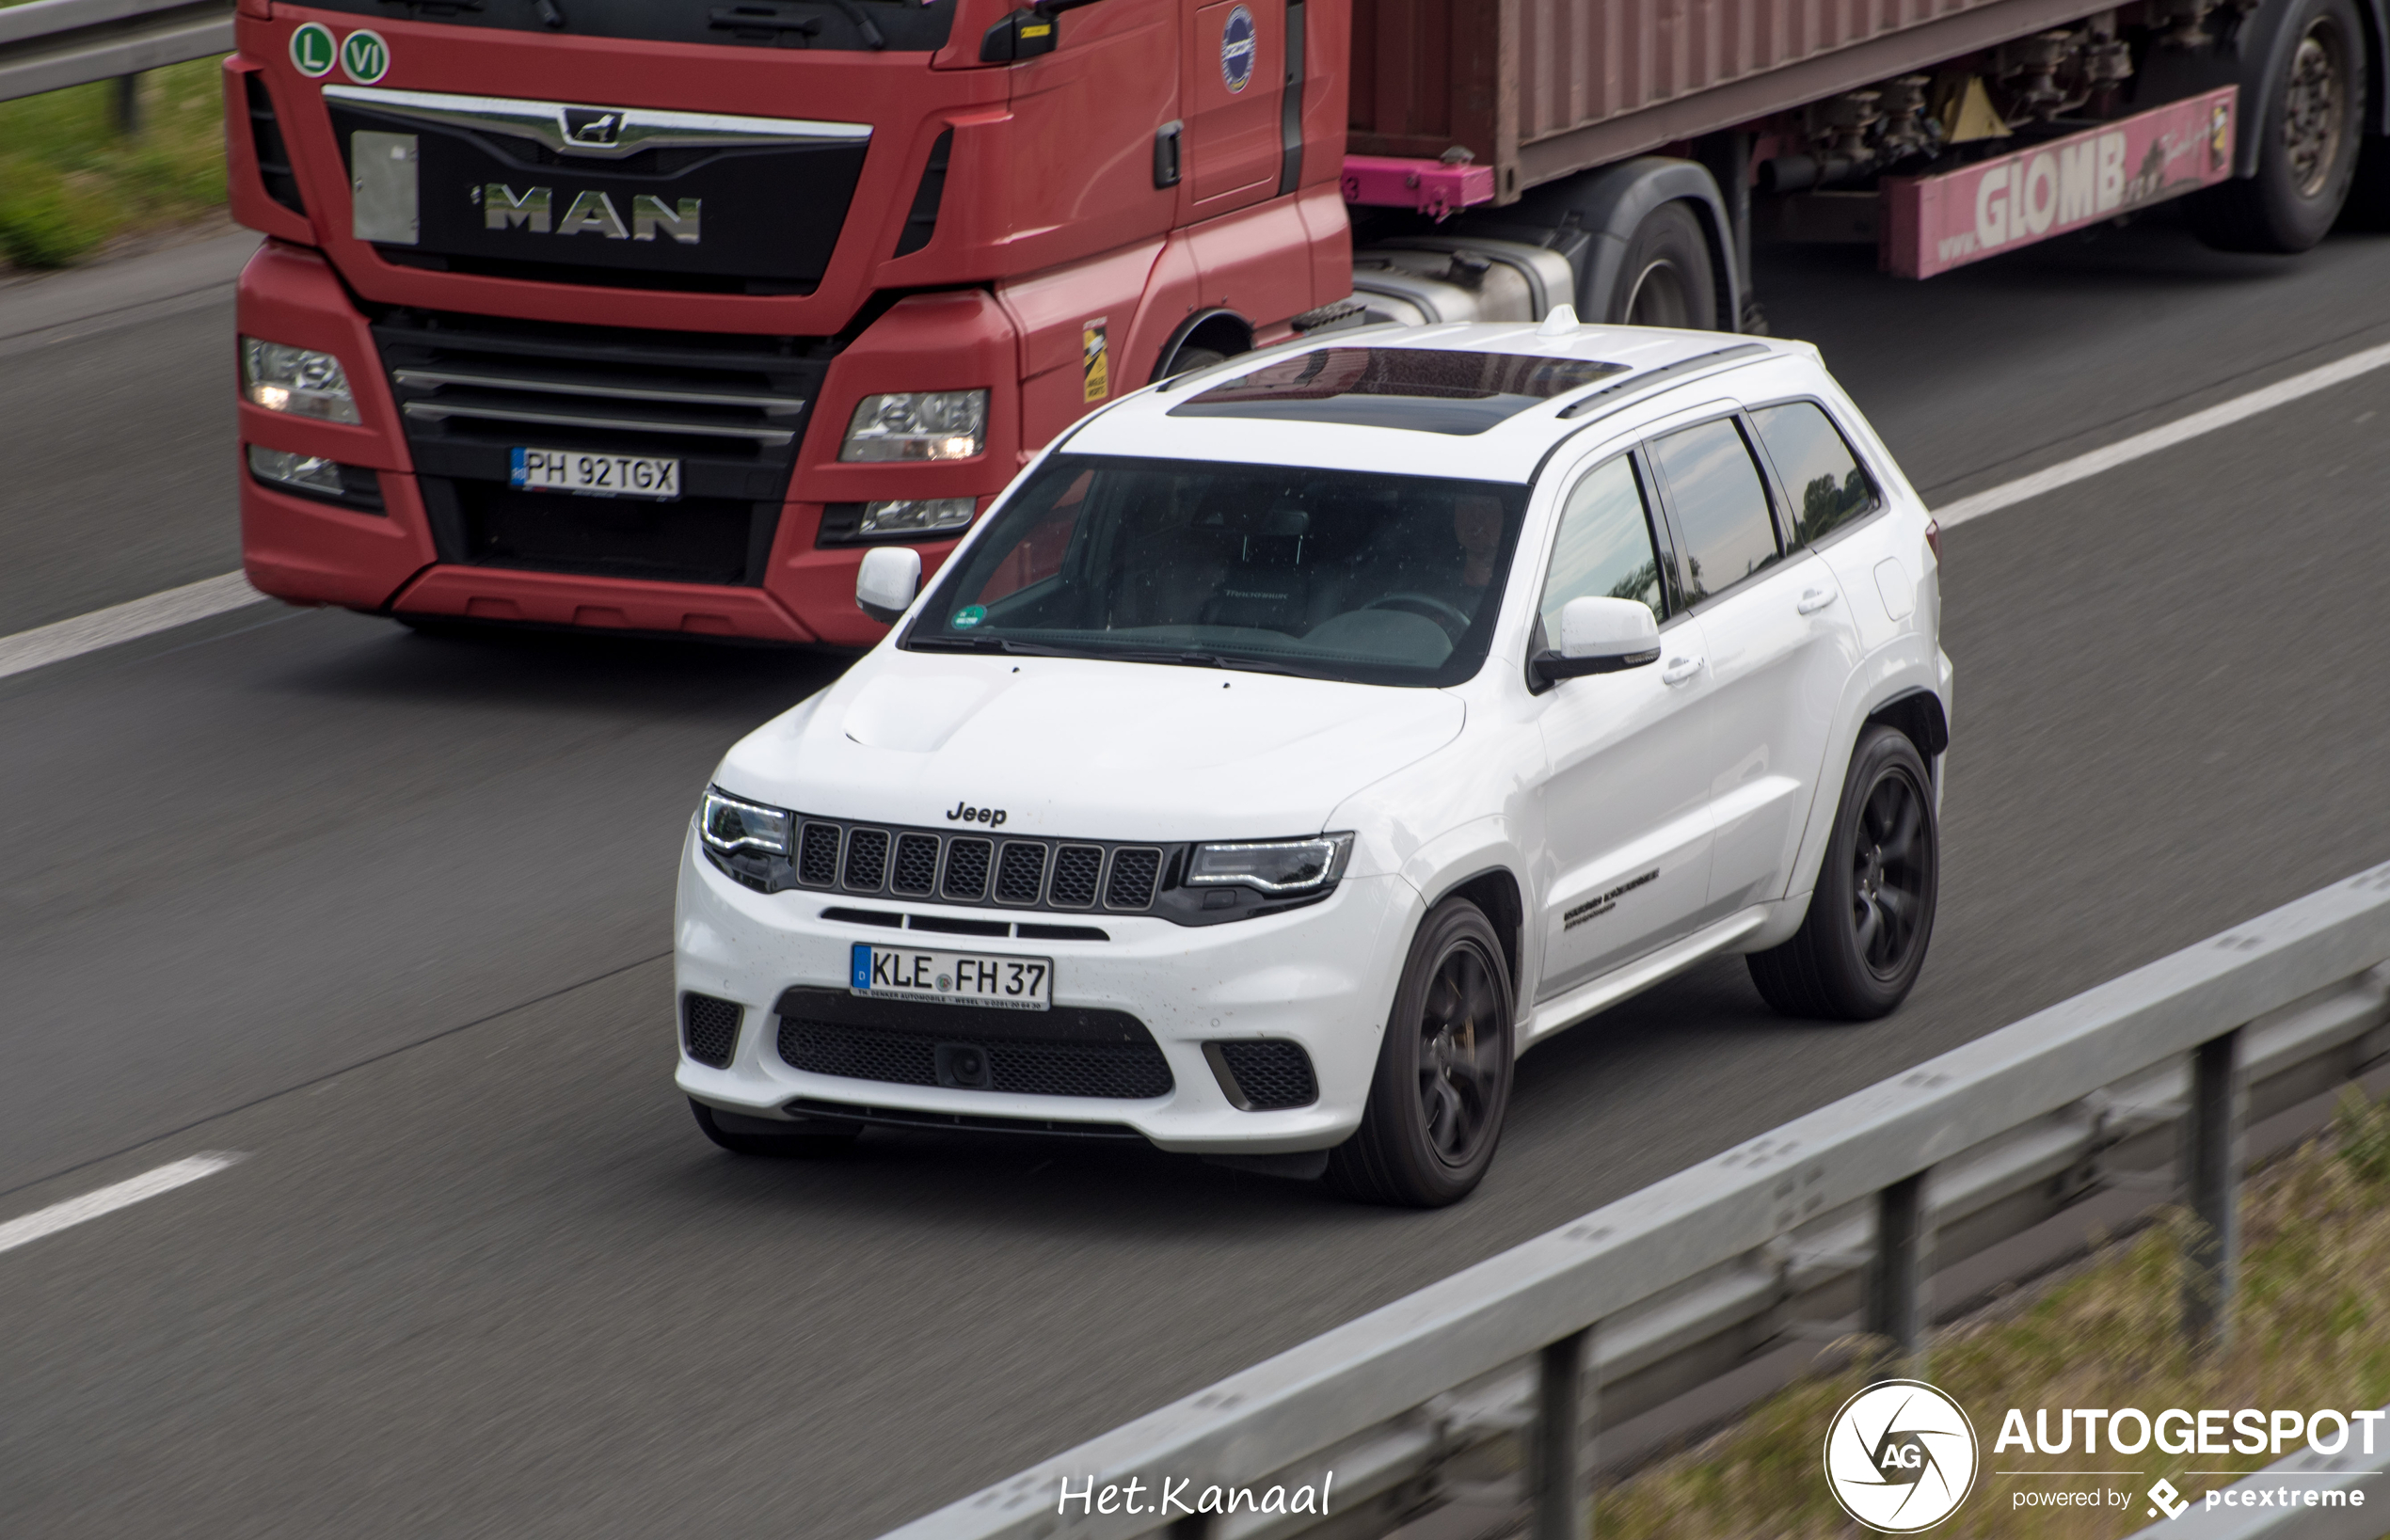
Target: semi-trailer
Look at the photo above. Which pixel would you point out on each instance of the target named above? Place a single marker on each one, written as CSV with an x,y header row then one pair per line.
x,y
653,315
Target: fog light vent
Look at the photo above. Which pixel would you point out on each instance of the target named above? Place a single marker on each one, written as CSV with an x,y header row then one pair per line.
x,y
1262,1074
709,1029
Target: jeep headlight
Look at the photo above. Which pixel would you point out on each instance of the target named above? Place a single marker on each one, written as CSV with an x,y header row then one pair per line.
x,y
298,380
1274,867
917,425
729,824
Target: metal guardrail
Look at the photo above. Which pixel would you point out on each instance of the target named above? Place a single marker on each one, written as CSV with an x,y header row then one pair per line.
x,y
1663,1291
50,44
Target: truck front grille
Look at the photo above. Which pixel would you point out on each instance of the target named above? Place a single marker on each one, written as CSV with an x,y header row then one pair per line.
x,y
731,409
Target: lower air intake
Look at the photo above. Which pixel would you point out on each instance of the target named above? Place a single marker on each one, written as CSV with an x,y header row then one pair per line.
x,y
1270,1073
1020,1065
709,1029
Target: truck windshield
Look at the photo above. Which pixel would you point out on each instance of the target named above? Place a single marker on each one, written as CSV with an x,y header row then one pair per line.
x,y
838,26
1357,576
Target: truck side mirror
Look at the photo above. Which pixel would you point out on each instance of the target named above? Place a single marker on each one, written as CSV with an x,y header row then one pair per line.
x,y
1599,635
1026,34
886,581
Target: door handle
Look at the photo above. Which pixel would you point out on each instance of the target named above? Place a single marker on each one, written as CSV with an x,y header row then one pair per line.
x,y
1816,599
1680,670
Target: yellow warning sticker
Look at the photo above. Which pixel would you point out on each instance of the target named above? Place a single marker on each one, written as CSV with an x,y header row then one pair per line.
x,y
1096,364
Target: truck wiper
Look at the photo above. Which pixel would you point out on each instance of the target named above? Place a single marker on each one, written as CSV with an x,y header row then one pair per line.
x,y
762,24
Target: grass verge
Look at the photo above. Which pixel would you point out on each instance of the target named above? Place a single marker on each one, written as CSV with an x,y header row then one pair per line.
x,y
2313,1331
68,180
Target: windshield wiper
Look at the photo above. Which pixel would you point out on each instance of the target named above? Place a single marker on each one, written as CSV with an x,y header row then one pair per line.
x,y
994,643
1211,660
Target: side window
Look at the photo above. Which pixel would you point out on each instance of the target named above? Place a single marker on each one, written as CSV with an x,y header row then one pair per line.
x,y
1820,474
1721,506
1605,549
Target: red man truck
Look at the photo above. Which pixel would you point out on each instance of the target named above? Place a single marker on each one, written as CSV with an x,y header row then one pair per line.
x,y
651,315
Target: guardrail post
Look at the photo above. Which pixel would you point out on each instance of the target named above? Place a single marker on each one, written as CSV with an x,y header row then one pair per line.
x,y
1896,1288
1563,1410
126,99
2211,1178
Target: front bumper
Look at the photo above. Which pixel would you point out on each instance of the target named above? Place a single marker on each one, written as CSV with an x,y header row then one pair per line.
x,y
1322,975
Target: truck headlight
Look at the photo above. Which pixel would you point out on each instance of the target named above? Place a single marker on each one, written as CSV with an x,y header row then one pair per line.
x,y
917,425
298,380
729,824
916,516
1274,867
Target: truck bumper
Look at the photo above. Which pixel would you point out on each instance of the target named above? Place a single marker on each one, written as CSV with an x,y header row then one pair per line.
x,y
431,548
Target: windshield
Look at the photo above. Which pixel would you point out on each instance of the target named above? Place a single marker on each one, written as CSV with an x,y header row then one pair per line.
x,y
836,25
1334,574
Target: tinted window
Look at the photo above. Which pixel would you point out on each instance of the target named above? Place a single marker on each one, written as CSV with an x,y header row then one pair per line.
x,y
1820,474
1721,506
1338,574
1603,550
1426,389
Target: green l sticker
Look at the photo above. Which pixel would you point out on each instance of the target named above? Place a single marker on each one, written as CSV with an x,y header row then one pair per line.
x,y
365,57
311,50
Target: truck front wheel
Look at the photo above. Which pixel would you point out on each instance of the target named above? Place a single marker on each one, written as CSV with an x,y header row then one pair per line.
x,y
1665,278
2307,146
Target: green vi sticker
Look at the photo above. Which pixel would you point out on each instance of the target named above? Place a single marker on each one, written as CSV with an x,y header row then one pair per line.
x,y
365,57
311,50
968,616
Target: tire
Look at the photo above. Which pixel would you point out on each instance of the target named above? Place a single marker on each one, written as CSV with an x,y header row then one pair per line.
x,y
1665,279
1862,944
1188,359
827,1138
1443,1083
2307,154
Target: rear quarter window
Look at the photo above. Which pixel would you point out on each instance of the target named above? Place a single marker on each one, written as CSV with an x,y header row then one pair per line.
x,y
1828,486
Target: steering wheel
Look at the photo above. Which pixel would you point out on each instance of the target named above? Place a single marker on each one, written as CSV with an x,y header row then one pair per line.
x,y
1455,621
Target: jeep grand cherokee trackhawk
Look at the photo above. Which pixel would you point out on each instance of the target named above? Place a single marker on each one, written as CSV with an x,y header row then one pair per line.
x,y
1297,742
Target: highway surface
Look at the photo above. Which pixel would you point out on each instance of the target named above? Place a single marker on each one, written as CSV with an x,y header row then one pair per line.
x,y
390,916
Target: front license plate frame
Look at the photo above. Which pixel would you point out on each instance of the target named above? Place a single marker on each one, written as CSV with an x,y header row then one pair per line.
x,y
996,981
654,478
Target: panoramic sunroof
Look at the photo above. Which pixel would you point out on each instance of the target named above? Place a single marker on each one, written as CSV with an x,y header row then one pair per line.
x,y
1426,389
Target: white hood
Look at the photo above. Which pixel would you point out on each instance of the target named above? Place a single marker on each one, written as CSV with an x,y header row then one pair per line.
x,y
1081,747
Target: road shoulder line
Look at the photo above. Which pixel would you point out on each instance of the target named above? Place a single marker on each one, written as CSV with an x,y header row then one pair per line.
x,y
107,1200
127,622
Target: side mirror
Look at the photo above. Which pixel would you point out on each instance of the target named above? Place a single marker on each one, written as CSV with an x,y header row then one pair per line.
x,y
1600,636
886,581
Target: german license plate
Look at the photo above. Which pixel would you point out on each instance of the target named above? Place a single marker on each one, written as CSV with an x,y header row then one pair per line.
x,y
952,978
600,475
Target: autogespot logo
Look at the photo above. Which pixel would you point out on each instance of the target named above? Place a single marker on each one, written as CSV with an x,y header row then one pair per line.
x,y
1900,1456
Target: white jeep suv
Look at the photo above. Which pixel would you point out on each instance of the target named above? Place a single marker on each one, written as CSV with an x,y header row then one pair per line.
x,y
1296,742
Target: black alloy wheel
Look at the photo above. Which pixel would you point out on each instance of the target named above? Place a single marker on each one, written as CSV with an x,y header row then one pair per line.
x,y
1862,942
2307,142
1443,1083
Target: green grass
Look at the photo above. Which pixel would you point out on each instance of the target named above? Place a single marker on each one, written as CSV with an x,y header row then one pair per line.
x,y
68,180
2313,1329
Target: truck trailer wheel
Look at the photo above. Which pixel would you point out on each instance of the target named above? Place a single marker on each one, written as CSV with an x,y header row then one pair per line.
x,y
1665,277
2309,135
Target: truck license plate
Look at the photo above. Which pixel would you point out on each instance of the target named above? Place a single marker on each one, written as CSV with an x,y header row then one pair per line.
x,y
952,978
600,475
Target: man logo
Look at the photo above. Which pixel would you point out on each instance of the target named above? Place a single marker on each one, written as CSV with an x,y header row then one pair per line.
x,y
1900,1456
591,127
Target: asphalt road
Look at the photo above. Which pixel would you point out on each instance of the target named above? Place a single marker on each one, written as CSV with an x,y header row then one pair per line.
x,y
388,915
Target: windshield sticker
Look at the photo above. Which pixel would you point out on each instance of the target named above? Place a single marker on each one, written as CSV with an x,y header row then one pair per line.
x,y
312,50
968,616
365,57
1238,49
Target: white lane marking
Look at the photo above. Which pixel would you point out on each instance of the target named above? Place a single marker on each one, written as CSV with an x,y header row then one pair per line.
x,y
74,1211
2124,450
126,622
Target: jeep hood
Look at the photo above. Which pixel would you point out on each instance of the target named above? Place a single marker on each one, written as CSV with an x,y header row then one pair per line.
x,y
1088,748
